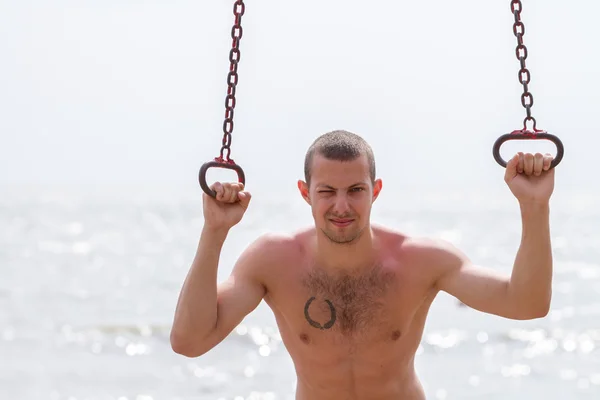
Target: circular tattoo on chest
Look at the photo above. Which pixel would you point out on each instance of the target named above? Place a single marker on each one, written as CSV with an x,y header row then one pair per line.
x,y
316,324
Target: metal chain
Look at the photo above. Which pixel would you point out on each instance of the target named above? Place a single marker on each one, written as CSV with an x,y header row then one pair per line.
x,y
232,78
521,51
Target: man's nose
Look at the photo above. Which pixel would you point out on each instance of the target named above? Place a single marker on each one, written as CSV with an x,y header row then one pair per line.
x,y
341,205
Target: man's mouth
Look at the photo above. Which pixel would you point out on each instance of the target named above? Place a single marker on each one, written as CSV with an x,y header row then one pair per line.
x,y
341,222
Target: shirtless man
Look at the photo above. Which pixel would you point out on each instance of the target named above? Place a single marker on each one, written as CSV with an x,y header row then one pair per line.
x,y
351,298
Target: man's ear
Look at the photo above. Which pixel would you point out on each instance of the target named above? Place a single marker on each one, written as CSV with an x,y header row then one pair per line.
x,y
377,186
304,192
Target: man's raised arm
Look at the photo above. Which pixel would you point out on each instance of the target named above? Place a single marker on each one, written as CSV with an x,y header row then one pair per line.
x,y
527,293
207,312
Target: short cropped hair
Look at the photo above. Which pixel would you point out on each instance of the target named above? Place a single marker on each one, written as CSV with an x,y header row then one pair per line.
x,y
339,146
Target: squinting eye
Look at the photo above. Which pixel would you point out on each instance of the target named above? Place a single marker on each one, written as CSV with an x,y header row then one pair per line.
x,y
357,189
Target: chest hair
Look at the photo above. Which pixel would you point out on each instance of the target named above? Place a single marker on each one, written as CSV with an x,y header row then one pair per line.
x,y
347,301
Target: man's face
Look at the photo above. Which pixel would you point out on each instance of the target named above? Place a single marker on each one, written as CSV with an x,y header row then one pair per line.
x,y
341,195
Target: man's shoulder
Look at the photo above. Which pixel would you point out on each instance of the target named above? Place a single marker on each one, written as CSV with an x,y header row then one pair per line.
x,y
275,245
424,250
405,242
429,245
283,239
437,256
268,251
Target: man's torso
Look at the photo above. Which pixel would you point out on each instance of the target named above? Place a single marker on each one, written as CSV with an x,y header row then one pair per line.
x,y
352,334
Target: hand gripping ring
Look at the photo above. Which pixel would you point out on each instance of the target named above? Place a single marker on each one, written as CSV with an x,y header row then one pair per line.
x,y
219,163
528,135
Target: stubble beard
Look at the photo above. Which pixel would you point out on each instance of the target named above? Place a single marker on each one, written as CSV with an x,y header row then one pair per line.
x,y
343,238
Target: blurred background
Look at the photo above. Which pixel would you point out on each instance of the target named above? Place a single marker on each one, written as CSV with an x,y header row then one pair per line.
x,y
108,109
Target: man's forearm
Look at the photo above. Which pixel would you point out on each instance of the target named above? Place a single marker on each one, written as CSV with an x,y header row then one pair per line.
x,y
196,312
530,288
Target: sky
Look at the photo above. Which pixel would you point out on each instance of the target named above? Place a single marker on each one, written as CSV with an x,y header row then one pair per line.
x,y
132,92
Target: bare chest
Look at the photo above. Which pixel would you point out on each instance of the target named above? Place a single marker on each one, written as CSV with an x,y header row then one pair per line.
x,y
318,308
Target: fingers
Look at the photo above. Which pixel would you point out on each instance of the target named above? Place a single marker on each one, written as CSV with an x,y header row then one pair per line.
x,y
530,164
520,165
548,158
244,198
538,164
511,168
227,192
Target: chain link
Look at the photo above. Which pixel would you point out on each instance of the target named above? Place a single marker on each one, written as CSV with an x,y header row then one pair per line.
x,y
232,78
521,52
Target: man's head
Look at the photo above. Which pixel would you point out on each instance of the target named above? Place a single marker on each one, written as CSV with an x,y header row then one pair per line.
x,y
340,184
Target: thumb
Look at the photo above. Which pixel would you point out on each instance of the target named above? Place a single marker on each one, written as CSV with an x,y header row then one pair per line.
x,y
244,199
511,168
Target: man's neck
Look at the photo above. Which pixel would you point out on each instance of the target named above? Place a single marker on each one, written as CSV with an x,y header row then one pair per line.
x,y
357,254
